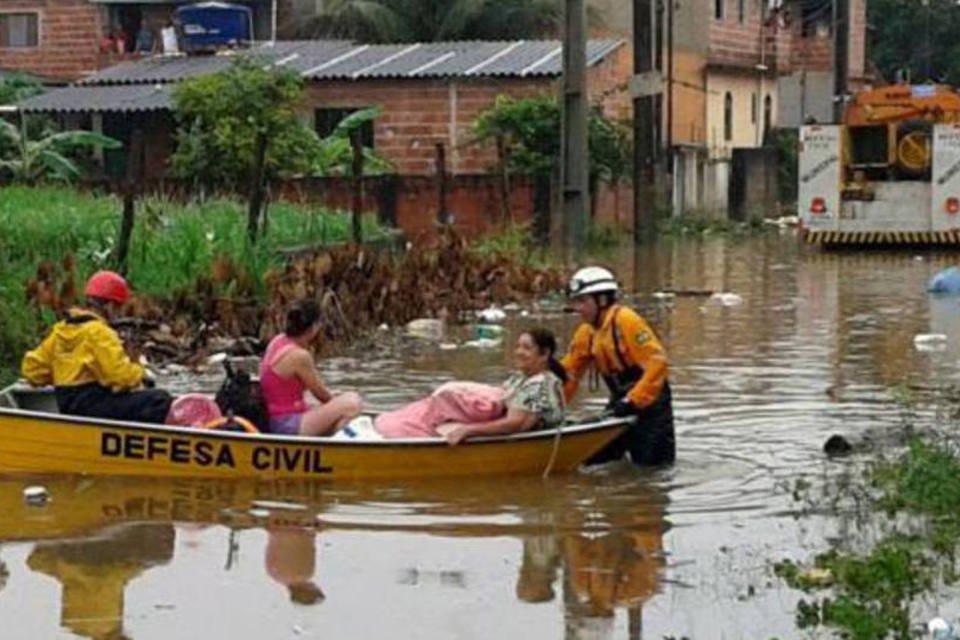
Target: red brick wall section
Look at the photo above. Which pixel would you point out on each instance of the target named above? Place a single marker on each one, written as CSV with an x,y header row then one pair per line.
x,y
735,43
858,34
69,38
815,52
473,200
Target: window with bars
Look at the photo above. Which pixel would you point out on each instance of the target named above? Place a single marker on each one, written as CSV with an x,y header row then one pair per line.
x,y
19,30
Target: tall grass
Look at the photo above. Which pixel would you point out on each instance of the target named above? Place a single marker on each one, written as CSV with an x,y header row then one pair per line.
x,y
172,245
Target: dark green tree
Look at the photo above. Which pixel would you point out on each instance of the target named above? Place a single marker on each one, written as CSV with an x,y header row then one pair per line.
x,y
239,130
915,38
390,21
528,131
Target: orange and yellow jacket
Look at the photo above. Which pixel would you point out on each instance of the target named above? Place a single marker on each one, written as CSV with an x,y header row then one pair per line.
x,y
639,346
79,350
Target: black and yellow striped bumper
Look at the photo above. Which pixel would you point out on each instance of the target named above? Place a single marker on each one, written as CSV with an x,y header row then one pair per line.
x,y
880,238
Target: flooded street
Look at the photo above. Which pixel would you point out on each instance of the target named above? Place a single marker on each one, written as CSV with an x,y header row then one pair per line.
x,y
812,348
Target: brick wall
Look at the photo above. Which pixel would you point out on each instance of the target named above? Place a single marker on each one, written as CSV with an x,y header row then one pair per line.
x,y
733,42
69,37
418,114
475,201
858,43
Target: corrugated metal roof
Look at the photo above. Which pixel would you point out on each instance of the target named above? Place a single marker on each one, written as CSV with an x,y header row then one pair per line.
x,y
99,99
337,59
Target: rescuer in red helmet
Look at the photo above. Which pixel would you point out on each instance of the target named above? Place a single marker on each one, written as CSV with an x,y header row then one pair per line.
x,y
84,359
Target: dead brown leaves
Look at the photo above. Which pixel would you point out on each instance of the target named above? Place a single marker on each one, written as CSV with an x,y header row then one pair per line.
x,y
358,289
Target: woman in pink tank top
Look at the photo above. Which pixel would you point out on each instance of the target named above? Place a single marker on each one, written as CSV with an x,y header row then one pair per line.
x,y
287,370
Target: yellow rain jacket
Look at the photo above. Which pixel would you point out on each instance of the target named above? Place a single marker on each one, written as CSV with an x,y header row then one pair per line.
x,y
638,347
81,349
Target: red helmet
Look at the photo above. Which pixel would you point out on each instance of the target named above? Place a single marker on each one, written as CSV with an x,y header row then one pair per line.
x,y
108,285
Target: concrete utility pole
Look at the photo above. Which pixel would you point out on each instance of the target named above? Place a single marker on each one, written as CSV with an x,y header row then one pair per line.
x,y
841,41
645,85
574,175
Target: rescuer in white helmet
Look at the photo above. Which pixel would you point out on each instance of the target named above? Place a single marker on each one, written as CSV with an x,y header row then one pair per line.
x,y
626,352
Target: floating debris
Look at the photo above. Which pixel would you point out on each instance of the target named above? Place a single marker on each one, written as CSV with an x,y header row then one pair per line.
x,y
837,446
930,342
492,313
940,629
727,299
426,328
488,331
276,505
483,343
36,495
817,577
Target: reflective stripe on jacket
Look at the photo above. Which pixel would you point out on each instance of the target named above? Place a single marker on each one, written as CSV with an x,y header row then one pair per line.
x,y
81,349
638,347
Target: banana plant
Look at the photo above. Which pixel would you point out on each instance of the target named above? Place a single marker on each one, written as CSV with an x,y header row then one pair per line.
x,y
335,152
46,158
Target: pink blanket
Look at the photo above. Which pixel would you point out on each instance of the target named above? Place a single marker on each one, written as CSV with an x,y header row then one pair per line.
x,y
452,402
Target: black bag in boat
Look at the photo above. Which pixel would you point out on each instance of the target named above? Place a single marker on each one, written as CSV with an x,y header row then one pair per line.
x,y
240,396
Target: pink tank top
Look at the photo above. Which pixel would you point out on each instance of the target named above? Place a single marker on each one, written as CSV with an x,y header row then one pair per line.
x,y
282,395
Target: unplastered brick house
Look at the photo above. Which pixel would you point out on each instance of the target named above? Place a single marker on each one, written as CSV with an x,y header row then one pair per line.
x,y
68,39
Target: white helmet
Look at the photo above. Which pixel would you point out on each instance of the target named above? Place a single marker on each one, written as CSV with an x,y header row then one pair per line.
x,y
592,280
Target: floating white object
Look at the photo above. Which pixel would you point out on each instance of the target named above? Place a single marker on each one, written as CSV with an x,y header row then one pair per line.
x,y
492,313
278,505
727,299
930,342
448,346
664,295
36,495
484,343
428,328
940,629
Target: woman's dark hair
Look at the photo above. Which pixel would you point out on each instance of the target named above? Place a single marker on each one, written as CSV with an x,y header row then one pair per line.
x,y
301,316
546,343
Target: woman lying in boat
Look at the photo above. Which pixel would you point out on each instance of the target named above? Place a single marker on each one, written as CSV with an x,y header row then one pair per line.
x,y
83,358
288,369
531,398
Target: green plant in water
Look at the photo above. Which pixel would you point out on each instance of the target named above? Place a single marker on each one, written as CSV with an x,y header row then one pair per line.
x,y
872,592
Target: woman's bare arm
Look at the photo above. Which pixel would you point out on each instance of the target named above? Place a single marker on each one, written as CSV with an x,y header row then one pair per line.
x,y
306,370
515,421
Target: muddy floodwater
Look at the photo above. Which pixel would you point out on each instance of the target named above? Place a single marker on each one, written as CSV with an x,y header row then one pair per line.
x,y
811,347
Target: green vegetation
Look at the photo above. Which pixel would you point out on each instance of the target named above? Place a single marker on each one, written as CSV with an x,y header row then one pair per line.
x,y
238,130
918,39
15,87
172,246
867,594
435,20
529,130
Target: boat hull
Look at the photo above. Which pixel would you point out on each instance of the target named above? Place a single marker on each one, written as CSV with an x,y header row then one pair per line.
x,y
34,442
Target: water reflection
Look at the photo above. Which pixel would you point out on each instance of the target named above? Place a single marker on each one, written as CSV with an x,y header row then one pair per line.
x,y
94,573
291,560
595,550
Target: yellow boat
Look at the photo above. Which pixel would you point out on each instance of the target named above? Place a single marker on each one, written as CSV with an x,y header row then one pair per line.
x,y
35,438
